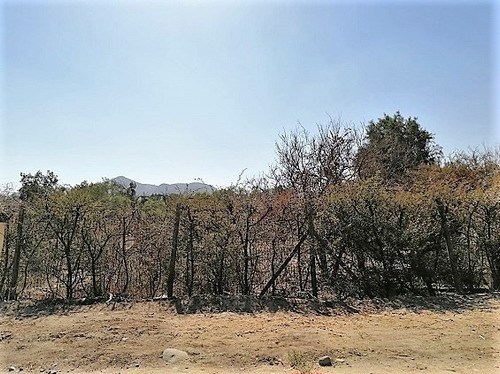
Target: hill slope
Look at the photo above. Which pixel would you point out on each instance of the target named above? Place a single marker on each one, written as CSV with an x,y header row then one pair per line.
x,y
164,189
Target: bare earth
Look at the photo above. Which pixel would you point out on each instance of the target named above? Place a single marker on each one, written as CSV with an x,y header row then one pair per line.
x,y
130,337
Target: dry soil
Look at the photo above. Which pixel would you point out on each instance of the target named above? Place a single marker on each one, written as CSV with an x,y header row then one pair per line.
x,y
462,337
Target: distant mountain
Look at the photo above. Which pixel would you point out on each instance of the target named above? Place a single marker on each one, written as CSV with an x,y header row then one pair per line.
x,y
164,189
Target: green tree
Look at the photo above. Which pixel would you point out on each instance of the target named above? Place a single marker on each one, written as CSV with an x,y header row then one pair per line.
x,y
393,146
65,212
34,188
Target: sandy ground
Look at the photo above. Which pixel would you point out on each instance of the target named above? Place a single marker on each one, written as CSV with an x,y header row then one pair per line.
x,y
129,338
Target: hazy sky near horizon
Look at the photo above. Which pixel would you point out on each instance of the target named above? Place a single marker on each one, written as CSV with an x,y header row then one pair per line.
x,y
167,92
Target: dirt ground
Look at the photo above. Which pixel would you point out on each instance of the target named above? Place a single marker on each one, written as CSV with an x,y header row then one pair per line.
x,y
462,336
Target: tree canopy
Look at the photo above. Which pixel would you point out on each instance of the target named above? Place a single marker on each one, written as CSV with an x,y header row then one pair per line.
x,y
395,145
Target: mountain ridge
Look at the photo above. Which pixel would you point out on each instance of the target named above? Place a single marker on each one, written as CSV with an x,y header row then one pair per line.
x,y
144,189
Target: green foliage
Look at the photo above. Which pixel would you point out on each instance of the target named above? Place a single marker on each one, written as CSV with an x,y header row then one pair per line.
x,y
37,185
395,145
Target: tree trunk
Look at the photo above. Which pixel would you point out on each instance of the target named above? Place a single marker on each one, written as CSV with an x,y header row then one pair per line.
x,y
491,254
189,272
12,293
246,260
273,290
95,292
312,264
312,256
173,254
5,252
283,265
324,247
124,256
69,282
450,247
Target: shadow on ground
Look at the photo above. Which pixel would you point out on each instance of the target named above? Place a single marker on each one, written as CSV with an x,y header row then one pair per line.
x,y
252,304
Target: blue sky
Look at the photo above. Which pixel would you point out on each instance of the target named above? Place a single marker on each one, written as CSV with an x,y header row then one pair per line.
x,y
166,92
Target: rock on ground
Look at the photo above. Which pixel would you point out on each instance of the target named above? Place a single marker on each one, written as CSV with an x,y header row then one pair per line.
x,y
172,355
325,361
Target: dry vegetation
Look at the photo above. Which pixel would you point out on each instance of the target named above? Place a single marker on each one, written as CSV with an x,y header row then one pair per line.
x,y
445,334
342,217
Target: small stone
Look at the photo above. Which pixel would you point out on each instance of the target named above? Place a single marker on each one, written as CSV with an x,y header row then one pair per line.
x,y
172,355
137,365
325,361
12,368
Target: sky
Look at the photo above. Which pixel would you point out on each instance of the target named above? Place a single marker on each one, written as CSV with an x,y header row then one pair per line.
x,y
175,91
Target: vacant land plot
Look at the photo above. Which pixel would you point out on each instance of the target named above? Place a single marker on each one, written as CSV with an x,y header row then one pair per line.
x,y
461,337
